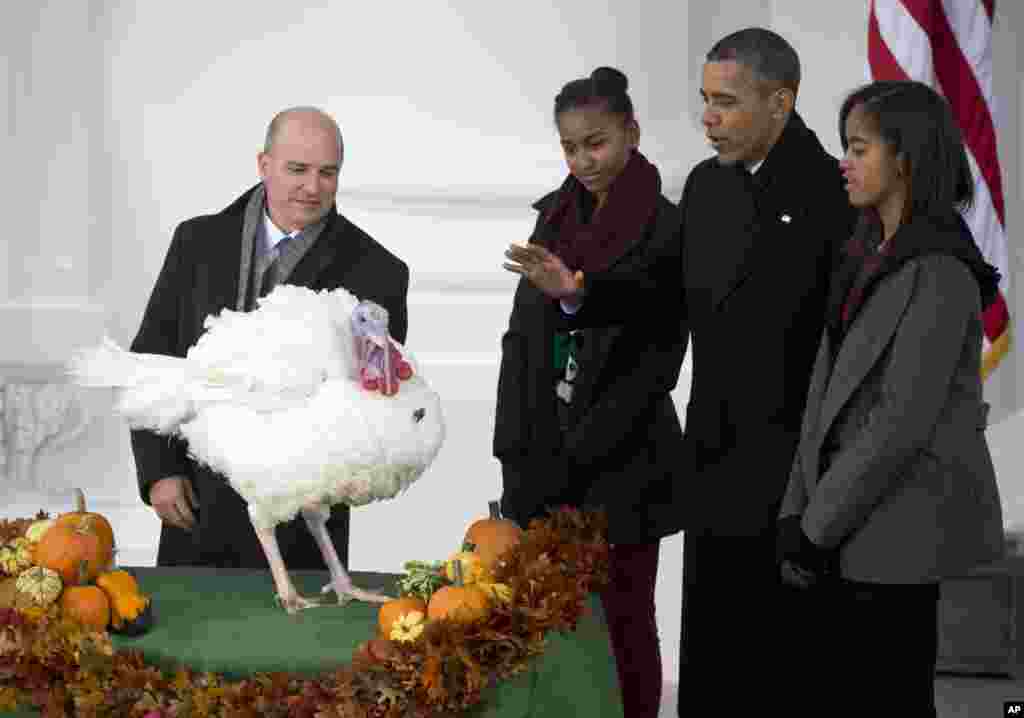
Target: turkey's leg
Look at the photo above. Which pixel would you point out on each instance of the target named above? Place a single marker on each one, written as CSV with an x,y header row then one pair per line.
x,y
341,583
286,593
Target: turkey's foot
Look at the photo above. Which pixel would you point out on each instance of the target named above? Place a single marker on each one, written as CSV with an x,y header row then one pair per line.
x,y
295,602
347,592
341,583
287,597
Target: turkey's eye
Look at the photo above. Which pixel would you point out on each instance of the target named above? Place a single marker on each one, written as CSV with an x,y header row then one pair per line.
x,y
418,415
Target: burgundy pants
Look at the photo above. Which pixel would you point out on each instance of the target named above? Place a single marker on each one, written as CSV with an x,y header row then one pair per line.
x,y
629,610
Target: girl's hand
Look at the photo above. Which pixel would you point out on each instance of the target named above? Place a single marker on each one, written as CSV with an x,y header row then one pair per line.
x,y
545,271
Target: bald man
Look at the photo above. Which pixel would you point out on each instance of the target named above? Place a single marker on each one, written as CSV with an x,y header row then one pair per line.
x,y
284,229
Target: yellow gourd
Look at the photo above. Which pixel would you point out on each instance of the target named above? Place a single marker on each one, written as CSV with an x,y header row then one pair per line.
x,y
472,567
500,592
129,607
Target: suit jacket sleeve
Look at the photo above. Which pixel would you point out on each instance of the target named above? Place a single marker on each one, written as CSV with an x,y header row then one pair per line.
x,y
925,349
529,476
795,499
398,319
510,411
510,436
157,457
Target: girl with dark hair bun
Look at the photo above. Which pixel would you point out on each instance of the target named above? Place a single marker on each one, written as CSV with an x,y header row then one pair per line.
x,y
606,87
585,417
892,487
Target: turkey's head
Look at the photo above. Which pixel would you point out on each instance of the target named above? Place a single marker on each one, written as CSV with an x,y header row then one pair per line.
x,y
380,364
370,322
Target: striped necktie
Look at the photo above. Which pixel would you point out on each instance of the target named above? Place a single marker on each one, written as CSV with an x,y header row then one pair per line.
x,y
272,274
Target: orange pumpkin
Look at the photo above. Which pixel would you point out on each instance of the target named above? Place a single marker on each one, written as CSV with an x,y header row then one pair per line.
x,y
100,526
74,551
396,608
130,609
460,603
88,605
491,537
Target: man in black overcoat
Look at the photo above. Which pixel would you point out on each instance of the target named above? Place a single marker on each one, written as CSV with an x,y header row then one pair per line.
x,y
285,229
762,224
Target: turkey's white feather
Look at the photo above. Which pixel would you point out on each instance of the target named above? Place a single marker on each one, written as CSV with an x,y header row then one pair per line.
x,y
271,400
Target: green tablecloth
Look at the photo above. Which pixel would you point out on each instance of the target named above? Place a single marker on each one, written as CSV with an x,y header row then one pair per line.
x,y
227,621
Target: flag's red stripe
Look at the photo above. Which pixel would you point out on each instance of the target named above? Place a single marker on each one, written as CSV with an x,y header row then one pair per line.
x,y
883,64
963,93
996,318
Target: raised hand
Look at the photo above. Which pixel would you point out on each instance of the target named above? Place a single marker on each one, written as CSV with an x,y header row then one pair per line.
x,y
545,271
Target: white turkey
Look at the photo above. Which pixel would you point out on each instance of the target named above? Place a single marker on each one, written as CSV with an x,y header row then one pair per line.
x,y
302,403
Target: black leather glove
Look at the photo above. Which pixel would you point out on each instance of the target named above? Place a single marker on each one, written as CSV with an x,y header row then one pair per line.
x,y
801,561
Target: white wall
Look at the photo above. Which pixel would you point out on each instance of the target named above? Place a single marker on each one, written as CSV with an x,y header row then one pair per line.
x,y
126,117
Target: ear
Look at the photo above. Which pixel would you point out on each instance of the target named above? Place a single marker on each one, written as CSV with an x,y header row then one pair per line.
x,y
783,101
902,165
262,161
633,134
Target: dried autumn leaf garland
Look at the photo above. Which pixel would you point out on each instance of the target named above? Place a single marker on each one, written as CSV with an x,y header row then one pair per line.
x,y
540,584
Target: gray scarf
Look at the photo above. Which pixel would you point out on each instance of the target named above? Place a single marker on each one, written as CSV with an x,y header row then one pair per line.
x,y
255,259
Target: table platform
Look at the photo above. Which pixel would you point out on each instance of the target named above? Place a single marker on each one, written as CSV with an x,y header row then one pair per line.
x,y
227,621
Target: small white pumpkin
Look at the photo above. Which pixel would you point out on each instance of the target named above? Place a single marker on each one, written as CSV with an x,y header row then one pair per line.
x,y
41,585
15,556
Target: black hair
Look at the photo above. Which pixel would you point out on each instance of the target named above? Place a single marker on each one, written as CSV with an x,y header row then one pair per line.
x,y
772,60
605,88
918,125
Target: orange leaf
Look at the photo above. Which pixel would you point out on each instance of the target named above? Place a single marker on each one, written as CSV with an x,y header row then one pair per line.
x,y
432,678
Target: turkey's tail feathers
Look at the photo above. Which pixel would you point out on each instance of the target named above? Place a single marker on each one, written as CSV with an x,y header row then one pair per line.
x,y
108,365
153,390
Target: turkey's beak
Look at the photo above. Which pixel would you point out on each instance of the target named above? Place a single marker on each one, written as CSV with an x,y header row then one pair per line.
x,y
378,340
382,342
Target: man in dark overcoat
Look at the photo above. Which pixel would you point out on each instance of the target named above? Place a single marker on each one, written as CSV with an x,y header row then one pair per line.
x,y
285,229
762,224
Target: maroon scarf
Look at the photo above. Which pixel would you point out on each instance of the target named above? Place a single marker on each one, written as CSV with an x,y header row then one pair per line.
x,y
631,203
865,251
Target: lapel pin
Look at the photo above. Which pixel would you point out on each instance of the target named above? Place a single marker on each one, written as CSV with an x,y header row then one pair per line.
x,y
786,218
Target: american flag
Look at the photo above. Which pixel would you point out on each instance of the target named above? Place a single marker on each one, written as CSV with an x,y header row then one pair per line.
x,y
948,45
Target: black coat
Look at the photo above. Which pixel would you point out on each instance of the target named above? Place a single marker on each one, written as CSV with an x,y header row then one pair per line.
x,y
756,260
622,446
200,276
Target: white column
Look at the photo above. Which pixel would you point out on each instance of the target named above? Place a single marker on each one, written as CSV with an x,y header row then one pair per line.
x,y
54,86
